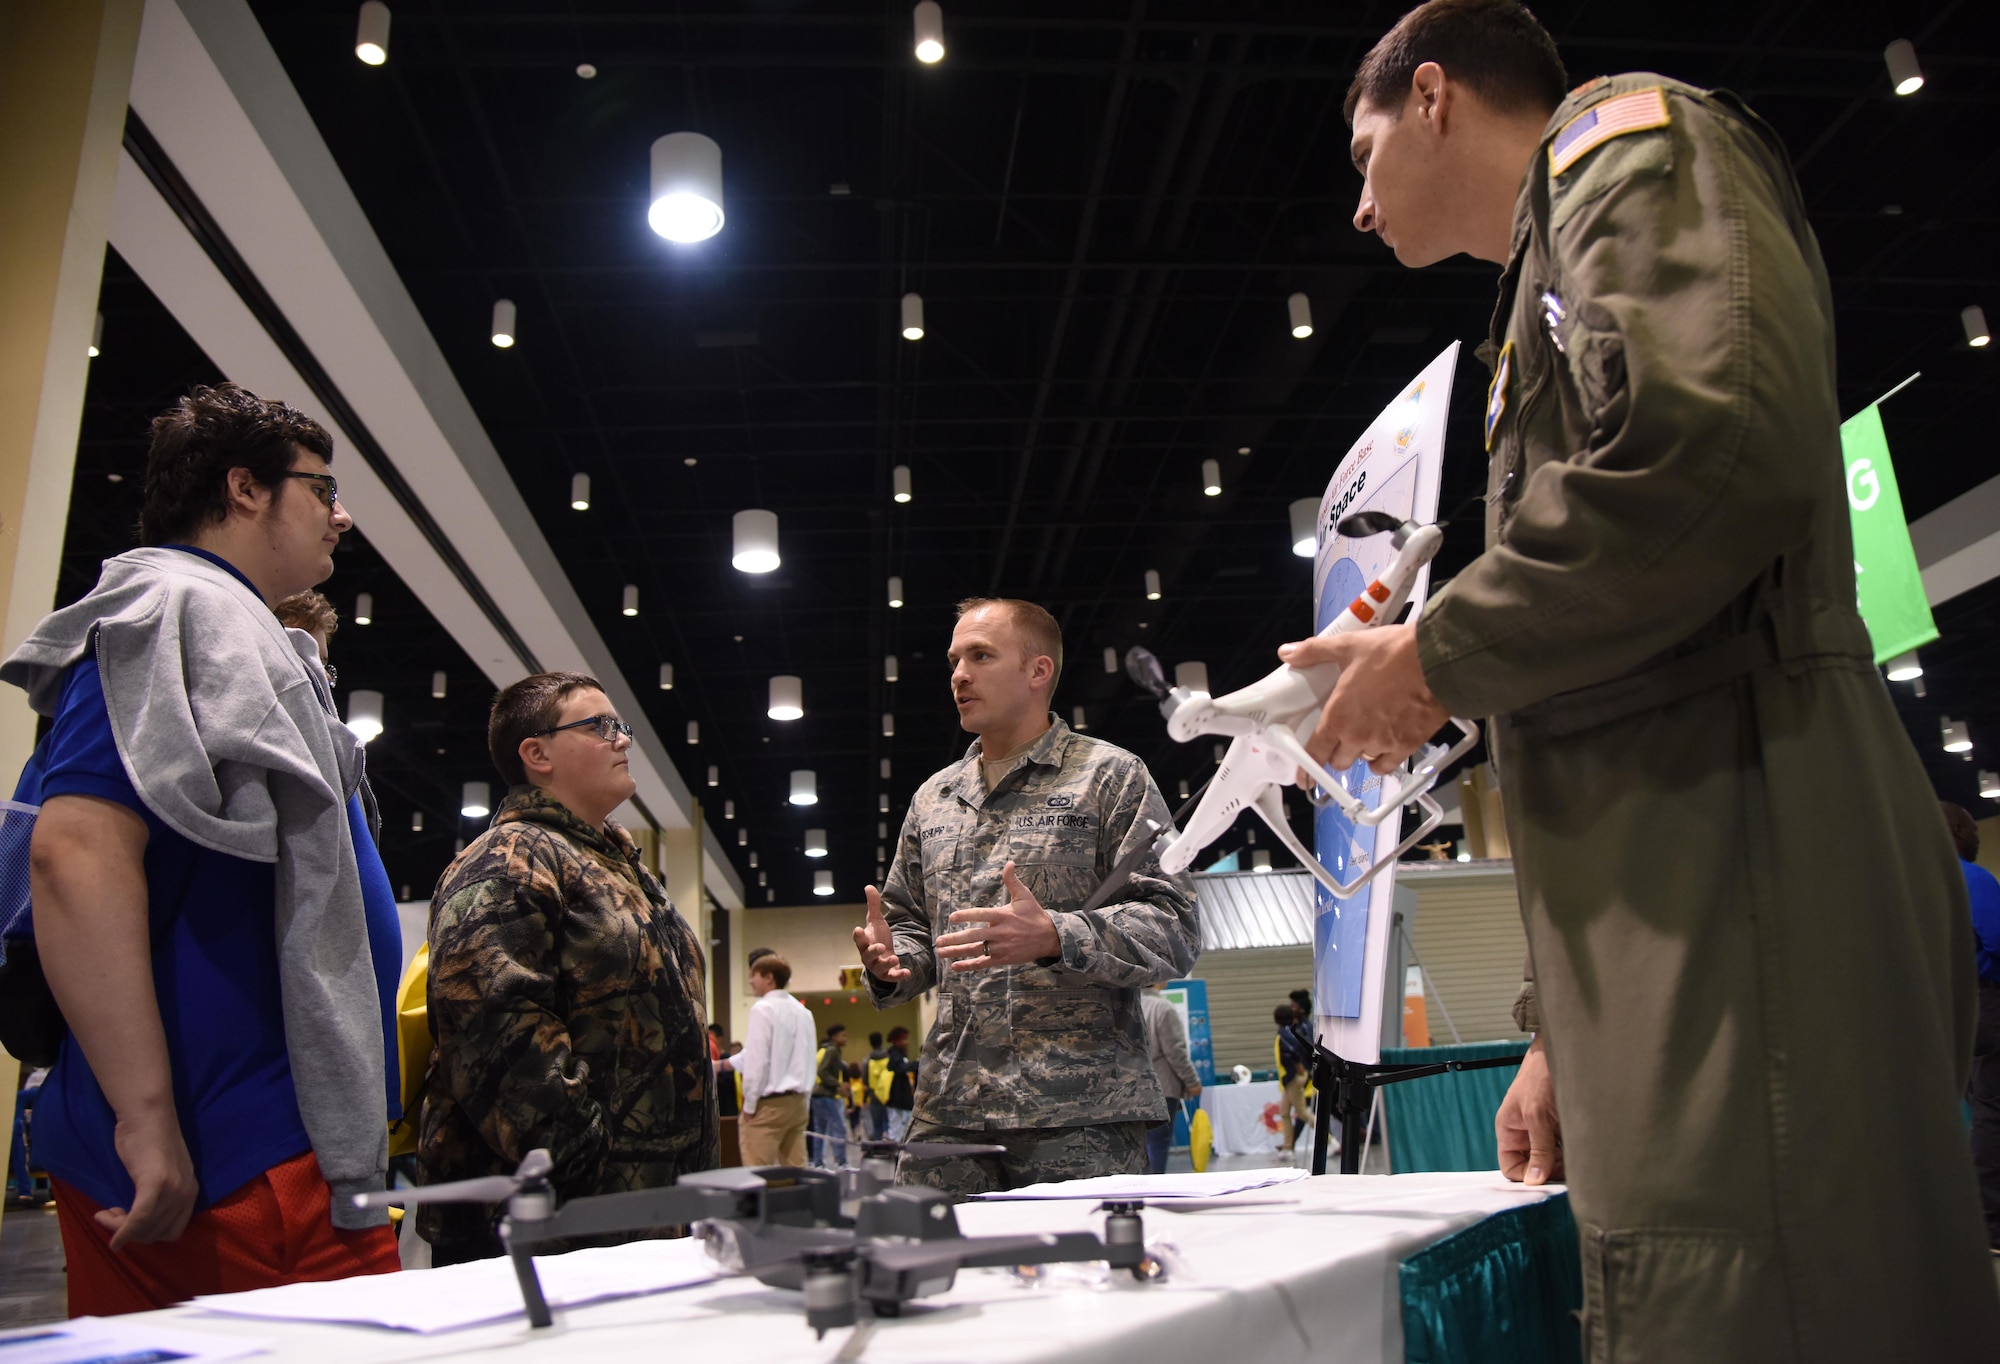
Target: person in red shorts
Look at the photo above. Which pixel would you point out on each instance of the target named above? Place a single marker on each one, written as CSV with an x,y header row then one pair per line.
x,y
207,900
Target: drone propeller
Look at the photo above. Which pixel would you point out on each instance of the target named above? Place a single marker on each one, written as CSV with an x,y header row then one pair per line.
x,y
533,1169
1358,525
1145,671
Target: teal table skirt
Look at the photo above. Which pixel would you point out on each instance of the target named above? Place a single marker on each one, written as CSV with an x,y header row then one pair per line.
x,y
1503,1291
1445,1122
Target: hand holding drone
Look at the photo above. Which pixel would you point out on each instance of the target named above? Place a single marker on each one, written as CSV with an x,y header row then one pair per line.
x,y
1266,719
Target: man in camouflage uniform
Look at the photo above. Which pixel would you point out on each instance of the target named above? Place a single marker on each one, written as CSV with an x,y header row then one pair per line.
x,y
566,992
1747,927
1039,1044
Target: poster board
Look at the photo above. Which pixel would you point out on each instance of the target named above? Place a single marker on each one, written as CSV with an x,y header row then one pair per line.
x,y
1394,467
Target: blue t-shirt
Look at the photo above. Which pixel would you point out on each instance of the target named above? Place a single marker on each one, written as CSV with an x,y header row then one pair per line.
x,y
1985,893
215,976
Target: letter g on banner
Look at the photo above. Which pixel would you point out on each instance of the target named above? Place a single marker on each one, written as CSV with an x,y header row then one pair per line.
x,y
1863,487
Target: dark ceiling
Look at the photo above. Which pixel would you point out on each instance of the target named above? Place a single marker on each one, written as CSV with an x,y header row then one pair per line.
x,y
1104,206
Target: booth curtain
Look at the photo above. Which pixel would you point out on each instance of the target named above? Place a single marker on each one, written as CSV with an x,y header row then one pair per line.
x,y
1445,1122
1503,1291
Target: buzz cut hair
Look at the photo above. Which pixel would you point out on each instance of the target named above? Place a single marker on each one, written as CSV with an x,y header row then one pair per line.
x,y
1496,47
525,709
1037,627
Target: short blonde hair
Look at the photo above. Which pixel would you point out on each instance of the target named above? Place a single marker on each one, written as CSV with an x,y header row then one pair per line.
x,y
1037,627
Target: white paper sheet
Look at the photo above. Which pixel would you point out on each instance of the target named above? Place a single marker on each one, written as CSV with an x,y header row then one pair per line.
x,y
117,1340
1149,1187
466,1295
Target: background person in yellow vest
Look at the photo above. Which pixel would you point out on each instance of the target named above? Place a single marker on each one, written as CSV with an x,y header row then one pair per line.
x,y
777,1065
875,1087
829,1110
1722,837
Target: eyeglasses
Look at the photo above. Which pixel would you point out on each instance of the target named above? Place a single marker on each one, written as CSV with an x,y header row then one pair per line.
x,y
609,728
324,487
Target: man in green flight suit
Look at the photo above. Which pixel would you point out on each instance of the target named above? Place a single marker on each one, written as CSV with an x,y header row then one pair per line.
x,y
1724,842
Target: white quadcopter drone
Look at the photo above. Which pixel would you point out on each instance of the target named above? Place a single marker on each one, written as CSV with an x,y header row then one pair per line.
x,y
1265,719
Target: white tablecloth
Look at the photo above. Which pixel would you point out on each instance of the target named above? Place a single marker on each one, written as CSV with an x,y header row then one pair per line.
x,y
1311,1281
1244,1117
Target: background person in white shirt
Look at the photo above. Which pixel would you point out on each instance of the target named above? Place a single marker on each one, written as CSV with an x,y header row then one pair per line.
x,y
777,1069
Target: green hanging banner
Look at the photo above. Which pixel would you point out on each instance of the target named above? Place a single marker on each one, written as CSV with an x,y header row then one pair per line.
x,y
1886,578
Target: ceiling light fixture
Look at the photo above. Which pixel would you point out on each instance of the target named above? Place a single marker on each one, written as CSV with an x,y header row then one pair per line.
x,y
687,188
1989,785
881,831
630,605
96,345
364,714
928,21
1211,478
438,680
503,322
579,492
371,34
586,71
882,803
787,698
815,843
714,775
888,725
364,608
805,787
1184,788
885,769
694,732
666,677
890,672
1110,659
1974,319
1301,310
742,838
754,541
822,883
1957,735
913,317
416,821
1905,667
895,591
1076,720
753,859
1305,527
729,809
1152,584
899,480
475,800
1904,73
1260,860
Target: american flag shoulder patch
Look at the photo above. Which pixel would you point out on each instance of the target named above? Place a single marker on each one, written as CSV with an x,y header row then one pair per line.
x,y
1633,113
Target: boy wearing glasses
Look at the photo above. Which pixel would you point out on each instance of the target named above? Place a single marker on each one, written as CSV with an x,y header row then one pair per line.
x,y
567,994
208,905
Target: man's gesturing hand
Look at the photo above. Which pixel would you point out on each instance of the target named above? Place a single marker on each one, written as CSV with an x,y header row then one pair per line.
x,y
876,944
1015,933
1527,1128
1380,711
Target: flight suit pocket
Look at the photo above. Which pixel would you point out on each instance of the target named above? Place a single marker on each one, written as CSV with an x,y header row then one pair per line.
x,y
1059,867
1059,1037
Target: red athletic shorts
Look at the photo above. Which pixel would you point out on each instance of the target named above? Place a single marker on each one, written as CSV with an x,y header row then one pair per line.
x,y
273,1230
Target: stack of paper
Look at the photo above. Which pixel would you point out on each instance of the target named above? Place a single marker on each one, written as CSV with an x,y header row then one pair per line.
x,y
1151,1187
466,1295
107,1340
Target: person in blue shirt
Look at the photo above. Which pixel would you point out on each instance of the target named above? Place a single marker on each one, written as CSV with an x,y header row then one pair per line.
x,y
1983,1093
209,907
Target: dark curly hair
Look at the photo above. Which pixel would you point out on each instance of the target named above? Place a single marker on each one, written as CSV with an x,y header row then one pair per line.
x,y
1495,46
198,440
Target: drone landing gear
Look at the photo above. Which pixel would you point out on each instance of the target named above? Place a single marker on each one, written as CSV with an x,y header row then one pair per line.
x,y
1347,1091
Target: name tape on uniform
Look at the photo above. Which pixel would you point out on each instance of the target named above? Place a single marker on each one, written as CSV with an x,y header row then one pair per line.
x,y
1633,113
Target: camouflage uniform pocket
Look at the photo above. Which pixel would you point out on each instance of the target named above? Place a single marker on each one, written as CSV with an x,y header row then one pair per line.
x,y
1058,867
1059,1037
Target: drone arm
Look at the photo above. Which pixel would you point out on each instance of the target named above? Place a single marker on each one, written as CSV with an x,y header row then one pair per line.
x,y
1055,1248
676,1205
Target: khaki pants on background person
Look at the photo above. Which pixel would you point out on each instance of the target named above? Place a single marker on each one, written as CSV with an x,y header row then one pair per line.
x,y
776,1133
1753,959
1291,1109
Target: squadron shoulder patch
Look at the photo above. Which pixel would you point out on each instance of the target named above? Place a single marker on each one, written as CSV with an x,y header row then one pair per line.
x,y
1633,113
1496,392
